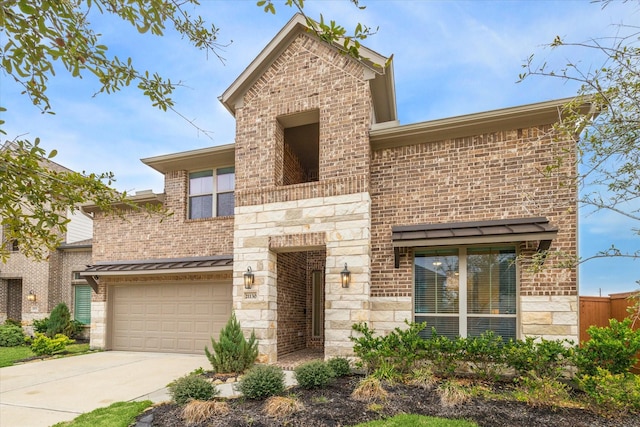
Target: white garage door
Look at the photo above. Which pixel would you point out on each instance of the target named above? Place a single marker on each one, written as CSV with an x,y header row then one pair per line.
x,y
168,317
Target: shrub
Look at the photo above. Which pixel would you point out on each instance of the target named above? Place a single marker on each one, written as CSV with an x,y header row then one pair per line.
x,y
387,371
41,325
452,394
613,348
612,393
262,381
486,355
444,353
11,335
541,391
13,322
423,378
42,344
60,322
232,353
340,366
539,357
191,387
315,374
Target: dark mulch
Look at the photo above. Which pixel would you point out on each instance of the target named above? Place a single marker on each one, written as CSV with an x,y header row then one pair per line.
x,y
333,406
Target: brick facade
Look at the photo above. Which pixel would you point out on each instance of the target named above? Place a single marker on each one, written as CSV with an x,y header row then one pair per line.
x,y
285,229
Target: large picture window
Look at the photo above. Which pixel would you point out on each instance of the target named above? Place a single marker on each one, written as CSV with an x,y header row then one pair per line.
x,y
207,186
466,291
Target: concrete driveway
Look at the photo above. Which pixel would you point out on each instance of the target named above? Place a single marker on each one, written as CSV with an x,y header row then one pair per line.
x,y
46,392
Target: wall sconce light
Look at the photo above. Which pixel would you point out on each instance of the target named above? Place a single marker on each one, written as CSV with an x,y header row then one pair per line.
x,y
31,297
345,276
248,278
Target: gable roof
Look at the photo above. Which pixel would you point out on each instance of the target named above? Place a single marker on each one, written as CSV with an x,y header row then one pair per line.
x,y
380,75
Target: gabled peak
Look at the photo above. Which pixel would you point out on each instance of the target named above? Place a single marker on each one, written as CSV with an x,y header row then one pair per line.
x,y
379,71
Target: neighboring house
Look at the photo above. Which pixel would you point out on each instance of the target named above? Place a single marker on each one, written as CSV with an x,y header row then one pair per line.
x,y
428,219
30,289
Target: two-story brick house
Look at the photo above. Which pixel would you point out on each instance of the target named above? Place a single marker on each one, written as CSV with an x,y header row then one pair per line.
x,y
433,221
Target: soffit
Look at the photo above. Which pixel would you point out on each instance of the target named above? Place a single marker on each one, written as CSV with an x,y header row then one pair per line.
x,y
204,158
477,232
380,72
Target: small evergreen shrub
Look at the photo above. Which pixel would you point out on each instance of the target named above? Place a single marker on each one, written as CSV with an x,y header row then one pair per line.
x,y
42,344
262,381
315,374
443,353
233,353
340,366
60,321
11,335
13,322
612,393
486,355
613,348
191,387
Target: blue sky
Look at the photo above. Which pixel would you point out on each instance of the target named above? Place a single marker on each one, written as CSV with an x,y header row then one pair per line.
x,y
450,58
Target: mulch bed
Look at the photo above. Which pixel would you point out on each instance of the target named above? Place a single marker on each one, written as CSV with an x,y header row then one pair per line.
x,y
333,406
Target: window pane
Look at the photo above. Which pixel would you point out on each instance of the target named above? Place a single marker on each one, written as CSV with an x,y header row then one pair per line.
x,y
446,326
503,326
226,180
436,282
200,207
491,281
201,182
82,304
225,204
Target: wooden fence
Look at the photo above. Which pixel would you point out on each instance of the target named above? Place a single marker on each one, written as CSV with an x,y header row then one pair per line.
x,y
596,311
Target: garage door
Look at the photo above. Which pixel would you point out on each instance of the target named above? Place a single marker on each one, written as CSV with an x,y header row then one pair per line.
x,y
168,317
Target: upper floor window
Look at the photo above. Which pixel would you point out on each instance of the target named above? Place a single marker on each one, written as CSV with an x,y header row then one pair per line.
x,y
467,291
13,246
211,193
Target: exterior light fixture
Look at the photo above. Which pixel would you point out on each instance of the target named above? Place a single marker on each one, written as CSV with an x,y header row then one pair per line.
x,y
31,297
345,276
248,278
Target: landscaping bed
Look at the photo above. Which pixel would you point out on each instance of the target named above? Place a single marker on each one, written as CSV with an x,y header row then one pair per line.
x,y
334,406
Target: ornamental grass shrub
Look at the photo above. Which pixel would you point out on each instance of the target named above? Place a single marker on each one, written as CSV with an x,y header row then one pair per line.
x,y
232,353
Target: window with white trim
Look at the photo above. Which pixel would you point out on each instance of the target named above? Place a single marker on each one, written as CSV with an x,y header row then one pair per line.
x,y
81,299
466,291
204,185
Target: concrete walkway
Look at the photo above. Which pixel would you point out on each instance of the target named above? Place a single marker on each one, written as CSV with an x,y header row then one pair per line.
x,y
39,394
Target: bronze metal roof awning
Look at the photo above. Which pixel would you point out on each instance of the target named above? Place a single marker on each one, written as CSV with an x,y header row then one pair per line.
x,y
157,266
477,232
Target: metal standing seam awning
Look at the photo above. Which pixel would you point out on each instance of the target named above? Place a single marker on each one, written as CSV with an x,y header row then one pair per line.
x,y
476,232
156,266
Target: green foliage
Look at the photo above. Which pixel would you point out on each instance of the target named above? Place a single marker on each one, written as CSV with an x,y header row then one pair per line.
x,y
119,414
60,321
41,325
613,348
233,352
340,366
315,374
539,357
262,381
42,344
612,393
443,353
485,354
413,420
545,391
191,387
400,347
11,335
387,371
13,322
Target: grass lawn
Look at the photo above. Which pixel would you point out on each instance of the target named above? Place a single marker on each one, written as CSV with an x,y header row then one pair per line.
x,y
119,414
410,420
10,355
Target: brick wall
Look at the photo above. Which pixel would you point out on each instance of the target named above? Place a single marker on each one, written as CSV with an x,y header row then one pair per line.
x,y
292,302
139,236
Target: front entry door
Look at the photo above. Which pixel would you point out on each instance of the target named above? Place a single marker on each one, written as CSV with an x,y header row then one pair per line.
x,y
14,299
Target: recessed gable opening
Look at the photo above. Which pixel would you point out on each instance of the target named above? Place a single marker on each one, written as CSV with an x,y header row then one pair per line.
x,y
300,147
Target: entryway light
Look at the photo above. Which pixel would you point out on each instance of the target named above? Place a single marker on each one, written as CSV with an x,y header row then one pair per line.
x,y
248,279
345,276
31,297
